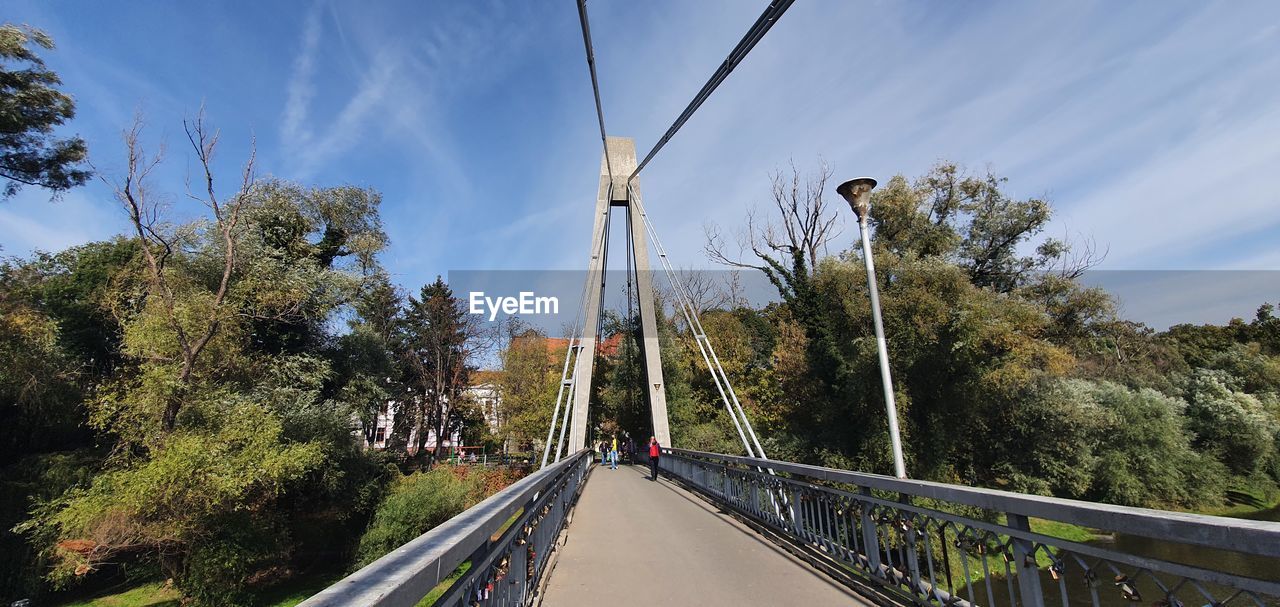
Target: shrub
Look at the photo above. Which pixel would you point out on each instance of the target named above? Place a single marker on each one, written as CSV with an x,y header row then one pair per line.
x,y
420,501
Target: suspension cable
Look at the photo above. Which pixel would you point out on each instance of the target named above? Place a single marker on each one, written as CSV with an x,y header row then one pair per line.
x,y
708,352
575,342
763,23
595,82
770,16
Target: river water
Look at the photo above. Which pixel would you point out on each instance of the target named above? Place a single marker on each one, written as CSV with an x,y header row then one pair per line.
x,y
1222,560
1207,558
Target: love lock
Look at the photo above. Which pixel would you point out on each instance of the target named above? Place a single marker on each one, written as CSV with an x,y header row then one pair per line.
x,y
503,565
1127,590
1055,569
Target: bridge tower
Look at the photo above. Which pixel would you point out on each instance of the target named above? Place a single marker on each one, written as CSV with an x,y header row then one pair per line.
x,y
618,162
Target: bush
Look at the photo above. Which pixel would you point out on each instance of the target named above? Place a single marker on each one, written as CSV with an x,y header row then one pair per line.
x,y
33,479
194,506
420,501
1230,424
1144,450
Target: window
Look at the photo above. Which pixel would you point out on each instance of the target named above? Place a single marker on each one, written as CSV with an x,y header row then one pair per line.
x,y
380,435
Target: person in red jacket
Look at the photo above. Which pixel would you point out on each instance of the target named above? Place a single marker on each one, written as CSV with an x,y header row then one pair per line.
x,y
654,451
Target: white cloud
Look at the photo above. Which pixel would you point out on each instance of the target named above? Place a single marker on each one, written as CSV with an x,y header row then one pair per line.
x,y
30,222
301,89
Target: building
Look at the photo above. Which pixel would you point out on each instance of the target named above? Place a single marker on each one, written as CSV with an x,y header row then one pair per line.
x,y
386,421
485,394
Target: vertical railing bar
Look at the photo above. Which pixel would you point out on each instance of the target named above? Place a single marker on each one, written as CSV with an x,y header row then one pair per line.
x,y
1008,578
928,557
986,578
885,532
946,558
822,521
869,531
968,576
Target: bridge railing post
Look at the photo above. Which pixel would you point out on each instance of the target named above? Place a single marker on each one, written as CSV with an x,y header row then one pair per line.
x,y
909,536
870,535
1028,572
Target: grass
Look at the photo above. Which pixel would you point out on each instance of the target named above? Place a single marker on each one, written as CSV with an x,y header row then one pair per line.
x,y
154,594
443,586
1062,531
296,590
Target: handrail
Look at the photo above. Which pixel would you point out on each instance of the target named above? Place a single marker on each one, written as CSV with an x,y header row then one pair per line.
x,y
405,575
925,543
1260,538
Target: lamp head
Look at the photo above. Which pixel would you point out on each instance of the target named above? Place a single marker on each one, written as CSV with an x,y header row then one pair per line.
x,y
858,193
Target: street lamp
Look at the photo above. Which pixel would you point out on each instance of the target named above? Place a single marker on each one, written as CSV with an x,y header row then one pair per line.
x,y
858,193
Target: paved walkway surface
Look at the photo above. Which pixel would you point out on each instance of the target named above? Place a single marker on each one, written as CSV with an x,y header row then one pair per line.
x,y
636,542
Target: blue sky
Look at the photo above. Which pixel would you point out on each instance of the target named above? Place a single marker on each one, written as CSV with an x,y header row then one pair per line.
x,y
1153,126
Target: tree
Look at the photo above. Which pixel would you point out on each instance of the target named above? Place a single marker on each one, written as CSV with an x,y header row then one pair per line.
x,y
527,386
789,245
233,444
439,341
970,221
365,359
31,106
59,341
191,314
1230,424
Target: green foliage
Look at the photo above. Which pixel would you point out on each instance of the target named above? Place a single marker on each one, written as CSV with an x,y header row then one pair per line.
x,y
1229,423
169,503
229,412
415,505
529,380
422,500
146,595
31,106
58,340
28,481
1009,373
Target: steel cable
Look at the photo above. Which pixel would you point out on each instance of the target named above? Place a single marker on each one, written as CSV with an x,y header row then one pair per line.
x,y
758,29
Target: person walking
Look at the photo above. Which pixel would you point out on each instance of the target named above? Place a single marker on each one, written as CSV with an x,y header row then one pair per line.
x,y
613,453
654,451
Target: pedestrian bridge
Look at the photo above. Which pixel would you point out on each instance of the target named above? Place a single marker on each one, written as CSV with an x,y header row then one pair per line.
x,y
726,530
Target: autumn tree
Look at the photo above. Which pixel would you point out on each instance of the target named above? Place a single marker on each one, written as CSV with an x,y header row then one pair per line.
x,y
231,451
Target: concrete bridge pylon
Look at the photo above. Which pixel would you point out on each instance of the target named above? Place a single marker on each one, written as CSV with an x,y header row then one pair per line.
x,y
617,163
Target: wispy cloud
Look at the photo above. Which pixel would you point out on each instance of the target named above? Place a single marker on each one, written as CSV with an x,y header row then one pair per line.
x,y
30,222
301,88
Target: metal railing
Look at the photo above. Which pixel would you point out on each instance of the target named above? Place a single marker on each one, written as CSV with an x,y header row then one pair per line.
x,y
507,557
926,543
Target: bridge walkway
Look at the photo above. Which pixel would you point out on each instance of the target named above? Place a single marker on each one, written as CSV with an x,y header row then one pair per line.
x,y
637,542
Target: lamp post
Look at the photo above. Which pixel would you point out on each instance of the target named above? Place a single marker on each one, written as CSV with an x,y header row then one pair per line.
x,y
858,193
